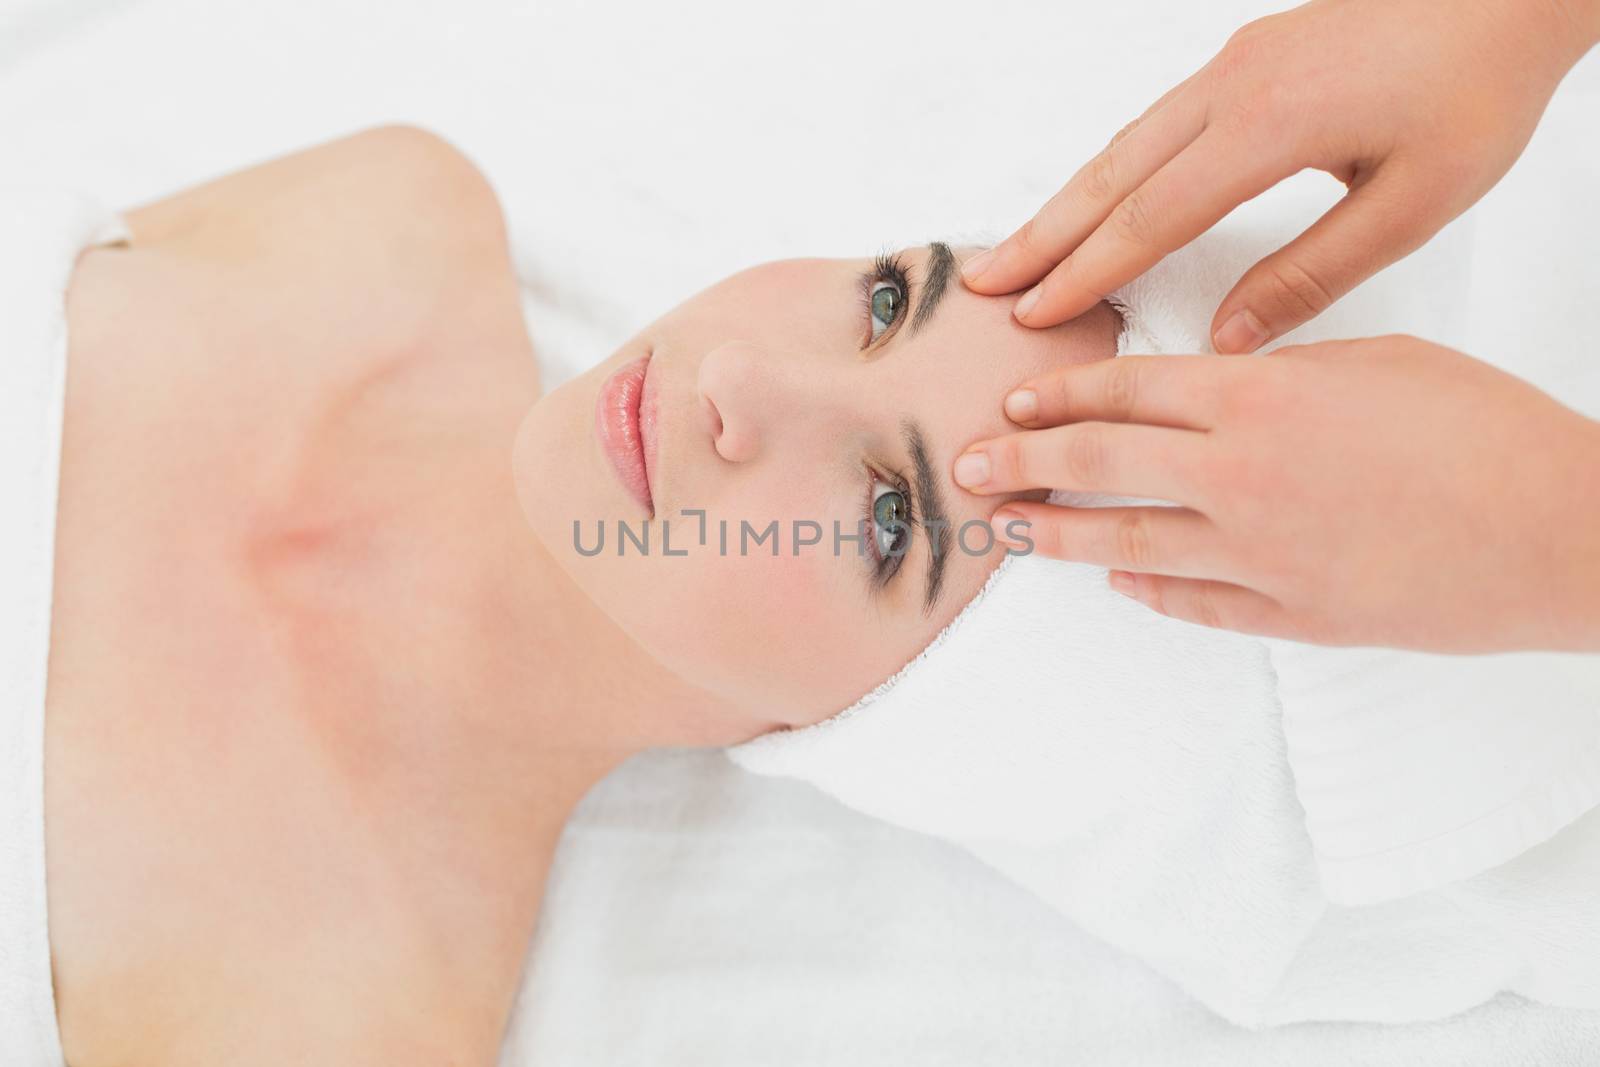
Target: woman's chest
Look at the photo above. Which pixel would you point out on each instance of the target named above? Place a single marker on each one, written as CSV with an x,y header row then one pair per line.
x,y
255,483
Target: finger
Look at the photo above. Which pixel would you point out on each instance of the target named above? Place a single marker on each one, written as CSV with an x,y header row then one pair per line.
x,y
1376,223
1126,459
1167,540
1179,391
1186,197
1160,102
1219,605
1088,197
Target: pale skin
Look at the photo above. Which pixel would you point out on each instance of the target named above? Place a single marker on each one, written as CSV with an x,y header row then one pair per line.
x,y
288,819
1383,491
326,676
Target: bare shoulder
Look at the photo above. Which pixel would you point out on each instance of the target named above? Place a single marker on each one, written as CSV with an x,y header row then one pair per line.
x,y
271,297
358,183
386,239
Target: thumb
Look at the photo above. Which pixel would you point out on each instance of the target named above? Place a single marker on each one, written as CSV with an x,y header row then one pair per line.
x,y
1375,224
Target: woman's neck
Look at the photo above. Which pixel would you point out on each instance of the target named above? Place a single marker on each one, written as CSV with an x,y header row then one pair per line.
x,y
562,696
581,696
453,676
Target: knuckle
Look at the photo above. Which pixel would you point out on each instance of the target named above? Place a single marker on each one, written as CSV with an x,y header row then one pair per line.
x,y
1122,387
1122,134
1297,291
1060,393
1134,220
1011,463
1245,44
1086,460
1048,538
1247,32
1027,239
1100,176
1203,607
1133,541
1234,56
1071,276
1156,599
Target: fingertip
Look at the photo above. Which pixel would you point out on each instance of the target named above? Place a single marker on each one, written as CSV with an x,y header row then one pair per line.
x,y
1240,334
1025,305
973,469
1001,524
976,267
1022,406
1038,310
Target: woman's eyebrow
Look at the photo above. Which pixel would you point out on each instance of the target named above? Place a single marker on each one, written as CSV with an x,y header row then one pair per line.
x,y
931,503
941,267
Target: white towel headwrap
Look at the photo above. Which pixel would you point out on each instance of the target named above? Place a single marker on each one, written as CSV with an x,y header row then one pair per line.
x,y
1135,771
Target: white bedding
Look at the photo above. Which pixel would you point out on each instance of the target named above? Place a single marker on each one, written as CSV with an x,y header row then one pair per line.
x,y
697,915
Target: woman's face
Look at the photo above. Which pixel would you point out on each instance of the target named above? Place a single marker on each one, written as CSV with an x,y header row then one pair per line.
x,y
799,424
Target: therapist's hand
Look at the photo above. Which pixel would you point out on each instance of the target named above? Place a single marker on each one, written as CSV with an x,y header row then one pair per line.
x,y
1417,106
1385,491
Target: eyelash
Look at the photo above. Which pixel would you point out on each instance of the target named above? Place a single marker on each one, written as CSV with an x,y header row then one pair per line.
x,y
886,267
884,568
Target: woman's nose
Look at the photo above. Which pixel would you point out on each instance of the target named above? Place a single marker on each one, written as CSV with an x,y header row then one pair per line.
x,y
750,392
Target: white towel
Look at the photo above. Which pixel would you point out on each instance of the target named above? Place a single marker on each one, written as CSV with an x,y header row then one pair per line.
x,y
41,233
1132,770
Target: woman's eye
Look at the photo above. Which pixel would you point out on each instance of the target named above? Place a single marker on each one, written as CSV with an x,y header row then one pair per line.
x,y
891,511
886,299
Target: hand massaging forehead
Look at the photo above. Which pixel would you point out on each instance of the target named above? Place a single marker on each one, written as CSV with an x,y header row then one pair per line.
x,y
1249,816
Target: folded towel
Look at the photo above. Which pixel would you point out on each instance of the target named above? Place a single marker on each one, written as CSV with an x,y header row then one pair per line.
x,y
1133,770
1416,770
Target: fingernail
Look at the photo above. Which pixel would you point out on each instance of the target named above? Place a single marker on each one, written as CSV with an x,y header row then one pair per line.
x,y
1025,305
1241,334
1123,583
972,469
1022,405
999,523
977,265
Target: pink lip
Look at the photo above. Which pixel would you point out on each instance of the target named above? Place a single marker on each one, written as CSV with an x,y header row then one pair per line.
x,y
625,422
649,427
